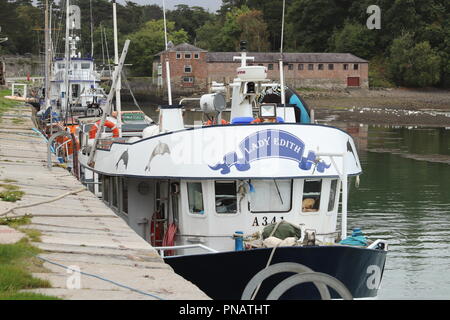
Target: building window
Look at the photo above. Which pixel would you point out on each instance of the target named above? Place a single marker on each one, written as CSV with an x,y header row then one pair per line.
x,y
271,196
187,55
226,196
355,66
345,66
188,79
290,66
187,69
310,66
270,66
330,66
300,66
178,55
196,56
320,67
311,195
195,197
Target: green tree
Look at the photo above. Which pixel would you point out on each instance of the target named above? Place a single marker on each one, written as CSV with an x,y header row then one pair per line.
x,y
254,30
413,65
189,19
354,38
148,41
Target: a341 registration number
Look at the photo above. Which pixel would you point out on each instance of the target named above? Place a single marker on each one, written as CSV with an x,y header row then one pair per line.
x,y
265,220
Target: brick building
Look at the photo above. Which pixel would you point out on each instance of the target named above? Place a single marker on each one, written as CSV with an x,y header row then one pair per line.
x,y
192,67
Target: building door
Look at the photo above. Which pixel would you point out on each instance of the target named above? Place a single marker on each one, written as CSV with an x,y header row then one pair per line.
x,y
352,81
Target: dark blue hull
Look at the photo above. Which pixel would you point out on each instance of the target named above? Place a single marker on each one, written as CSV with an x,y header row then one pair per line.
x,y
224,275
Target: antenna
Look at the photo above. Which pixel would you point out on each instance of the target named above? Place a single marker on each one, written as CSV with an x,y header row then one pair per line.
x,y
169,89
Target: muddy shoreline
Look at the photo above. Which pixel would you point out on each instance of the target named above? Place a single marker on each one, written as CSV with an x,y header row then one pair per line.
x,y
400,107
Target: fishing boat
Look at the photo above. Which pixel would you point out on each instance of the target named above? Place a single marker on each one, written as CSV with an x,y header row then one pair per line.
x,y
242,196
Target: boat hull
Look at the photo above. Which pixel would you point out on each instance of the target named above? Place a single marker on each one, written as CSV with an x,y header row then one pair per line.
x,y
224,275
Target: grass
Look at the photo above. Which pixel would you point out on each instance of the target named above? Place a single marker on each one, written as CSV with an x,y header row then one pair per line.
x,y
5,104
17,261
10,192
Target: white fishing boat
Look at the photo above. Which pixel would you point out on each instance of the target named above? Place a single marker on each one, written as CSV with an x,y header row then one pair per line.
x,y
229,202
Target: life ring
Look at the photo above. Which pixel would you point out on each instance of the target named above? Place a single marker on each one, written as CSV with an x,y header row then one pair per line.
x,y
209,122
257,120
109,124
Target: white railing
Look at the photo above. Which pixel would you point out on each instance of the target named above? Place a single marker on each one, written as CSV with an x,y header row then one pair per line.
x,y
187,246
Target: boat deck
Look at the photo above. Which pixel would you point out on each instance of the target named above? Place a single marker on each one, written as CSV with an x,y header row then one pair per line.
x,y
79,231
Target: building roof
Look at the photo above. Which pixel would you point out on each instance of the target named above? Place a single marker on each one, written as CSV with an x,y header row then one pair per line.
x,y
287,57
182,47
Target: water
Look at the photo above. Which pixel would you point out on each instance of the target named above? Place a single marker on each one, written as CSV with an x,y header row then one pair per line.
x,y
407,202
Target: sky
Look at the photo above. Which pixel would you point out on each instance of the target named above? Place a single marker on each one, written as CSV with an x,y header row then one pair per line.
x,y
211,5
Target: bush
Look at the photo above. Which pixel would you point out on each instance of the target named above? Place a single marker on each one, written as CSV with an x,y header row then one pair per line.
x,y
413,65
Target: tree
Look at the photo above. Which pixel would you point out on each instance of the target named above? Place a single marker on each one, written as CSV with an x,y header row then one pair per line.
x,y
254,30
189,19
311,24
148,41
354,38
415,65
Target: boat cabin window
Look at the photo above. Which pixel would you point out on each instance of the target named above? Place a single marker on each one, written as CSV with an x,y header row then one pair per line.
x,y
75,90
124,189
195,197
106,187
226,196
271,196
115,192
311,195
333,192
61,66
85,65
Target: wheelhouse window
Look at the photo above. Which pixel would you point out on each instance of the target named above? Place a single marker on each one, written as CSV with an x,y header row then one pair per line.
x,y
124,186
85,65
195,197
226,196
271,196
311,195
333,192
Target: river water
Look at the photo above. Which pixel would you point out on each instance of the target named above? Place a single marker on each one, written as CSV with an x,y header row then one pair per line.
x,y
407,202
404,197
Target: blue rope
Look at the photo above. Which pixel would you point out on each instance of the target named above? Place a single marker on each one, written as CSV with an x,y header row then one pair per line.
x,y
103,279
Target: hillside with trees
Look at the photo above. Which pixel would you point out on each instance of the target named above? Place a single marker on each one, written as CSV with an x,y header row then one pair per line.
x,y
412,48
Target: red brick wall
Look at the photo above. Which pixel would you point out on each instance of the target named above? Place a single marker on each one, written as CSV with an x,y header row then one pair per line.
x,y
220,71
177,68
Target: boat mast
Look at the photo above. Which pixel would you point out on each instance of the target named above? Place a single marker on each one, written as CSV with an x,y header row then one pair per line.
x,y
169,89
283,98
116,62
65,100
47,56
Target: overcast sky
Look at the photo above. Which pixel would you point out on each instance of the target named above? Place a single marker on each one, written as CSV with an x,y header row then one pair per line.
x,y
211,5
